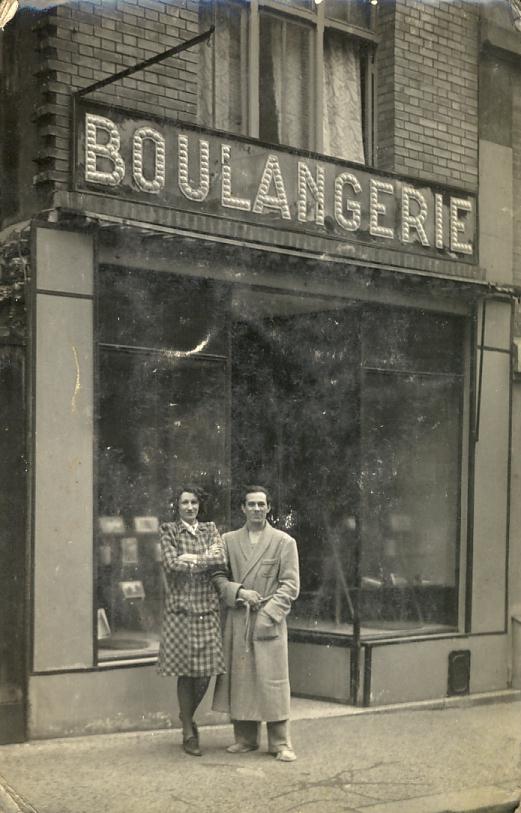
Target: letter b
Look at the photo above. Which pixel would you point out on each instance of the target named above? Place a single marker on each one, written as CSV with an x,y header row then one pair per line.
x,y
108,150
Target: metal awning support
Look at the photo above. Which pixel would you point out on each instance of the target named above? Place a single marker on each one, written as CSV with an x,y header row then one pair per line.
x,y
480,374
177,49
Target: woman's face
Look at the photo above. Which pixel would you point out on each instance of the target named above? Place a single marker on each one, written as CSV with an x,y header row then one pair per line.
x,y
188,507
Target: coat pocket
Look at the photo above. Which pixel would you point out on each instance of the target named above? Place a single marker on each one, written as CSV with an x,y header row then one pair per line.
x,y
265,627
268,567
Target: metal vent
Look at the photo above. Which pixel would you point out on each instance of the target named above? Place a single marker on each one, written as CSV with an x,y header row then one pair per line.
x,y
459,672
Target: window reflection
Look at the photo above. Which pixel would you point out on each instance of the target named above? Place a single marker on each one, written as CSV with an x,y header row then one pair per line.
x,y
354,415
409,500
351,414
162,418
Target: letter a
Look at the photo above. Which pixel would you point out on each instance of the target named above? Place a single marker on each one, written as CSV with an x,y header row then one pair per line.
x,y
279,200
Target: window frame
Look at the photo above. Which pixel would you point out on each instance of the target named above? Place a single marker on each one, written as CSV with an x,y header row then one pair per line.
x,y
316,18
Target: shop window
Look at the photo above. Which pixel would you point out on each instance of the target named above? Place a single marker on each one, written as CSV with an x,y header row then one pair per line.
x,y
353,416
162,414
410,473
291,73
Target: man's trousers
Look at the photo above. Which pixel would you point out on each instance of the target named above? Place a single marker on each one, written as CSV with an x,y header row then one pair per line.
x,y
247,732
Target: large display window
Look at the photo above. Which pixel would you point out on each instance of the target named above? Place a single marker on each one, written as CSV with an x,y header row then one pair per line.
x,y
351,413
162,420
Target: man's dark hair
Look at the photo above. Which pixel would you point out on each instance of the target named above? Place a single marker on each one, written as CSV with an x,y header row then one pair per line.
x,y
250,489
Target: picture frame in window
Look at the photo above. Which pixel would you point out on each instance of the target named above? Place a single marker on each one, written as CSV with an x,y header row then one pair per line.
x,y
111,525
132,589
129,551
146,525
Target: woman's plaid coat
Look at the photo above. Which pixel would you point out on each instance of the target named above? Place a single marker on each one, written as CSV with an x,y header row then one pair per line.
x,y
191,629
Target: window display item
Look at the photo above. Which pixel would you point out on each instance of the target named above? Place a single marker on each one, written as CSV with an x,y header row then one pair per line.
x,y
129,551
112,525
146,525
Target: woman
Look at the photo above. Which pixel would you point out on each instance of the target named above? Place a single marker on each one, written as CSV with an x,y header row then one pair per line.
x,y
191,645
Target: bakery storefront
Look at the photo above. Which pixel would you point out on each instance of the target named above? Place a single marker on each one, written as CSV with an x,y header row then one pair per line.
x,y
212,308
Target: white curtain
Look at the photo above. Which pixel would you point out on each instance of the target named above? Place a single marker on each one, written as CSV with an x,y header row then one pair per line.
x,y
220,95
285,82
342,99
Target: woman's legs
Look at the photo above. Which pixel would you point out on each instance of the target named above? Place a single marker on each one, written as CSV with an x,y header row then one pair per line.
x,y
186,700
190,692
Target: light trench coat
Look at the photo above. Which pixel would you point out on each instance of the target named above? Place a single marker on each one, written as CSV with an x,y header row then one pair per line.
x,y
256,683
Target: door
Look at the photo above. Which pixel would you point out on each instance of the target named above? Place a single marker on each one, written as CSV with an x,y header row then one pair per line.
x,y
12,545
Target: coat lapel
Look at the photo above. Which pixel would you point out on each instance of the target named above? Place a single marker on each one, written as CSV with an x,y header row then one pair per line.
x,y
259,549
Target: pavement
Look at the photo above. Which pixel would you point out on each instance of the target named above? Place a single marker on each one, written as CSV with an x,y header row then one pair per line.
x,y
457,756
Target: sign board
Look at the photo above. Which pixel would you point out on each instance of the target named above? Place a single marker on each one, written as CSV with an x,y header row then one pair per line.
x,y
165,163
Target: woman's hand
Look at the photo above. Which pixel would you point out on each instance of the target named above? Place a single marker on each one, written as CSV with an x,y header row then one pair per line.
x,y
187,558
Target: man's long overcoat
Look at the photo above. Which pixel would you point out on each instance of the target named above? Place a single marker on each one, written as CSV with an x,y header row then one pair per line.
x,y
256,683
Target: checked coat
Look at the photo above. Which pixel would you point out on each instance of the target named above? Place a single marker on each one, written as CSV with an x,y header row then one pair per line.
x,y
256,683
191,626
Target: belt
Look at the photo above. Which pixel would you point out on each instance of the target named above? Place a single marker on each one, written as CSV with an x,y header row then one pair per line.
x,y
249,624
183,611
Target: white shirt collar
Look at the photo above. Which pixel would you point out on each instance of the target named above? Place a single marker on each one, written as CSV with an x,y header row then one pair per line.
x,y
191,528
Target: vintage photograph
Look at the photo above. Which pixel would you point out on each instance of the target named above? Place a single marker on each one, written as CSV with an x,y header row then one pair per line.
x,y
260,406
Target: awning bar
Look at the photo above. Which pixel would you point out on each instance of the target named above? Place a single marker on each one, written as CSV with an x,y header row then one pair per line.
x,y
182,46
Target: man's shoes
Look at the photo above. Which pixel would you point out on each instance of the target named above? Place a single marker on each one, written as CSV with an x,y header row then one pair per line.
x,y
241,748
286,755
191,746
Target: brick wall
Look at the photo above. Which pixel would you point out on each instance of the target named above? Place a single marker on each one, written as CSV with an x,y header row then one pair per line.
x,y
78,43
385,101
426,63
434,90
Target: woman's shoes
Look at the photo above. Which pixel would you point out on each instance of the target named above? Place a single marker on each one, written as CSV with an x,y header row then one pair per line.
x,y
191,746
191,743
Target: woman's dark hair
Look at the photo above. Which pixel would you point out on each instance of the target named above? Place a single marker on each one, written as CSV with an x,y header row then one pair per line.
x,y
191,488
250,489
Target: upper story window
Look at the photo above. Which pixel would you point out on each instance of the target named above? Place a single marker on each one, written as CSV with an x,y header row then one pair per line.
x,y
292,73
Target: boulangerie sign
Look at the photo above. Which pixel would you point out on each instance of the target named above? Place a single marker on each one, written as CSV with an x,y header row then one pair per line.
x,y
177,166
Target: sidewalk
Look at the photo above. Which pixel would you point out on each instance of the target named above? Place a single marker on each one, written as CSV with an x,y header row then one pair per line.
x,y
415,760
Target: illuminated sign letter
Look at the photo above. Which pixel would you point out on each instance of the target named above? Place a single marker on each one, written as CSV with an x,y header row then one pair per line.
x,y
438,219
201,193
157,183
264,200
227,199
353,206
377,208
416,221
458,205
108,150
316,187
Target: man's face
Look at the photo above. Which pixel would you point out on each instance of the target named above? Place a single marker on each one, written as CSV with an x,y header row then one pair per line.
x,y
255,508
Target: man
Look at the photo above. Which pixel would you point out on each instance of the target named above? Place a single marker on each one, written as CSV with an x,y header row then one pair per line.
x,y
262,581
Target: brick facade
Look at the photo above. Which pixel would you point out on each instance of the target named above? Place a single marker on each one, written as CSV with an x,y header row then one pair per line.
x,y
430,126
426,84
76,44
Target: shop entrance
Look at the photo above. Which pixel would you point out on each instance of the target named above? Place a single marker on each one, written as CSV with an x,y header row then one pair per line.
x,y
12,545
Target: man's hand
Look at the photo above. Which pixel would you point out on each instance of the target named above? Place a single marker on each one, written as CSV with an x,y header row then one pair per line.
x,y
250,597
